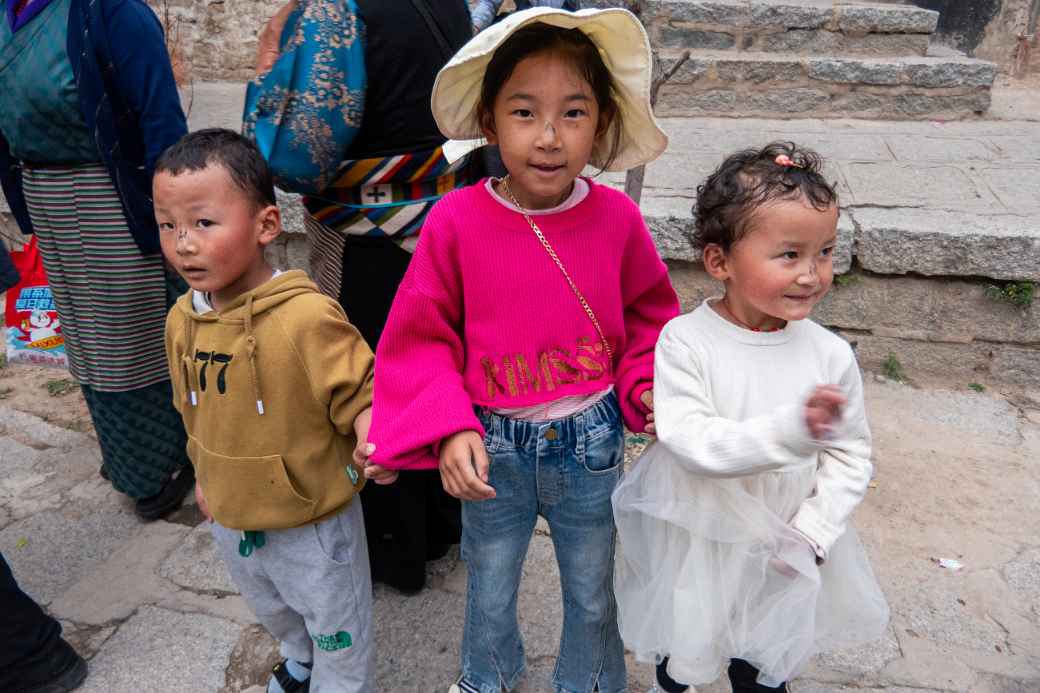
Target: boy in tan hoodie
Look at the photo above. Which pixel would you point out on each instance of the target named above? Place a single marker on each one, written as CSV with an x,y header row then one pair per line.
x,y
275,387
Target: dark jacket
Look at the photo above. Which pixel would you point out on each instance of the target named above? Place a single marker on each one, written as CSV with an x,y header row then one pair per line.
x,y
129,100
399,43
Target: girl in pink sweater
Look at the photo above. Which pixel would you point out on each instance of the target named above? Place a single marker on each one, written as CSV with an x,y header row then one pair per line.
x,y
523,334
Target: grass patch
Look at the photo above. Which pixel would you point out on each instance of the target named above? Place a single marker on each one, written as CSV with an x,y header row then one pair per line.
x,y
5,392
978,387
61,387
892,369
1016,293
847,279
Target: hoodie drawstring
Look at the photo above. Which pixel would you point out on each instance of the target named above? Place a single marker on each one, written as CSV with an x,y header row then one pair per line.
x,y
188,365
251,352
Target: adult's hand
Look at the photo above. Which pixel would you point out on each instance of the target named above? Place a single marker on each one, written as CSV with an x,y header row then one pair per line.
x,y
267,51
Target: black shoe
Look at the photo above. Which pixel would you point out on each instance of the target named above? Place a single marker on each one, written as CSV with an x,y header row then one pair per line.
x,y
170,498
287,682
61,671
103,473
666,682
435,552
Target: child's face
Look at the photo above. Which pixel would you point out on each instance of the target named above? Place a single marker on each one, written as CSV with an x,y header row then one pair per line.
x,y
212,232
781,268
545,122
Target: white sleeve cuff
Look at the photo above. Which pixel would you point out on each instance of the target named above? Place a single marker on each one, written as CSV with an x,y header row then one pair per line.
x,y
792,432
820,533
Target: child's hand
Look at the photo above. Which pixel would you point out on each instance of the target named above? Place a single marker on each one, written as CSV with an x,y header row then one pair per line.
x,y
364,450
200,500
464,467
647,398
823,409
374,472
362,422
790,548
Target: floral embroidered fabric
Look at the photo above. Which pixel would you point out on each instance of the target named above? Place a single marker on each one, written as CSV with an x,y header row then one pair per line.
x,y
304,113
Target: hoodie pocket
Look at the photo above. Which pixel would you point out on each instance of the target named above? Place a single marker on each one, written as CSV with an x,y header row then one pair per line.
x,y
249,492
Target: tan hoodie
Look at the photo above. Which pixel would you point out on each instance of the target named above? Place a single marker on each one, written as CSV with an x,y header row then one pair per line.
x,y
269,389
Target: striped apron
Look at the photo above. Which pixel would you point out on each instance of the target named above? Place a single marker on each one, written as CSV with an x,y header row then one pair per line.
x,y
112,302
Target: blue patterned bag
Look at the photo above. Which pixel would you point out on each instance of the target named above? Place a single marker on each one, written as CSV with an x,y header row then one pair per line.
x,y
304,113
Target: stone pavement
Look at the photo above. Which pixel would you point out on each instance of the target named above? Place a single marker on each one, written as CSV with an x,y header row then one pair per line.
x,y
153,609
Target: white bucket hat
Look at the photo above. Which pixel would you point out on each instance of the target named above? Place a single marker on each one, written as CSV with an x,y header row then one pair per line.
x,y
625,50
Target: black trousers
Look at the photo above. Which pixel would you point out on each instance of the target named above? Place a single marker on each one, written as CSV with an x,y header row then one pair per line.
x,y
27,634
8,272
742,677
412,520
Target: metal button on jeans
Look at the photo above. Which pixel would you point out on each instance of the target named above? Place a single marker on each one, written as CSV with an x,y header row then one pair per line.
x,y
550,434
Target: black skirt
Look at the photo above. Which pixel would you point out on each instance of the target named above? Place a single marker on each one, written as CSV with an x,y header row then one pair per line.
x,y
412,520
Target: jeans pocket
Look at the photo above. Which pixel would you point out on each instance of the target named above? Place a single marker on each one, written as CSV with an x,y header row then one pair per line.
x,y
604,450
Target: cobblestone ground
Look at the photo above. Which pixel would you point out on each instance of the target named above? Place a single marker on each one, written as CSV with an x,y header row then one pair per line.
x,y
153,609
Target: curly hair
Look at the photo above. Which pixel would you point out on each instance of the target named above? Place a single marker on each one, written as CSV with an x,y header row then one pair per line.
x,y
728,200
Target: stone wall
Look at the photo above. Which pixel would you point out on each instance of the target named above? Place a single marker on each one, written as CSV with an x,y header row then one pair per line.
x,y
989,29
945,327
217,37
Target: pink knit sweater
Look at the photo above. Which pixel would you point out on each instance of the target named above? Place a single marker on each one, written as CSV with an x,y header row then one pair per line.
x,y
485,317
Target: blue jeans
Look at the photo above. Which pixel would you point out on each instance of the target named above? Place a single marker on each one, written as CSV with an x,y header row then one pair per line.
x,y
565,471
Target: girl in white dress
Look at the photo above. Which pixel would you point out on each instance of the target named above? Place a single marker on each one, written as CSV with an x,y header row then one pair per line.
x,y
734,543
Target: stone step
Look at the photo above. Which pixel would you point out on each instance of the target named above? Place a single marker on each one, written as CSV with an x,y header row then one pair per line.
x,y
947,327
918,198
791,26
898,241
756,84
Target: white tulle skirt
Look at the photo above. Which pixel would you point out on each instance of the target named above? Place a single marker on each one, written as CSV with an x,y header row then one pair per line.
x,y
708,569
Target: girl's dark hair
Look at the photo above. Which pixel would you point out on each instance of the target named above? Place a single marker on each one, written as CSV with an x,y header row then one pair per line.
x,y
728,200
216,146
573,45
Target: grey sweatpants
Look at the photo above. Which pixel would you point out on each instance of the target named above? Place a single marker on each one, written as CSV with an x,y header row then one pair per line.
x,y
310,587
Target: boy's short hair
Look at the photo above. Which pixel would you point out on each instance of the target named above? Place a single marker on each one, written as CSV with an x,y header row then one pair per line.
x,y
237,155
728,200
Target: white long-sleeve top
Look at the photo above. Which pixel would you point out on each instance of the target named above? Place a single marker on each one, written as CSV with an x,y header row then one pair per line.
x,y
729,402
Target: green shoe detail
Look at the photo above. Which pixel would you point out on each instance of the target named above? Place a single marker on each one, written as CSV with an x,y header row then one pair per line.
x,y
352,473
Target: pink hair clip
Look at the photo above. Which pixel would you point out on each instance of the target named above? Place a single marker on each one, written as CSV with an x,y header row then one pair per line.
x,y
786,161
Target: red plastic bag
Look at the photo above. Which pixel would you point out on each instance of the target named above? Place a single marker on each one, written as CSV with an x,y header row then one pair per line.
x,y
33,328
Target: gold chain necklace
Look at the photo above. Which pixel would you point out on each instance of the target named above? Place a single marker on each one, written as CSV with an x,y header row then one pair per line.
x,y
504,180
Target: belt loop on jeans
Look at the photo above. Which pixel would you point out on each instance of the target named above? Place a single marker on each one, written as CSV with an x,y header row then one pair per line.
x,y
486,415
579,432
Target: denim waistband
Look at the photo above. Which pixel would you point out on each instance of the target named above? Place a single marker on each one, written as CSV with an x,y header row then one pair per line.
x,y
569,431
